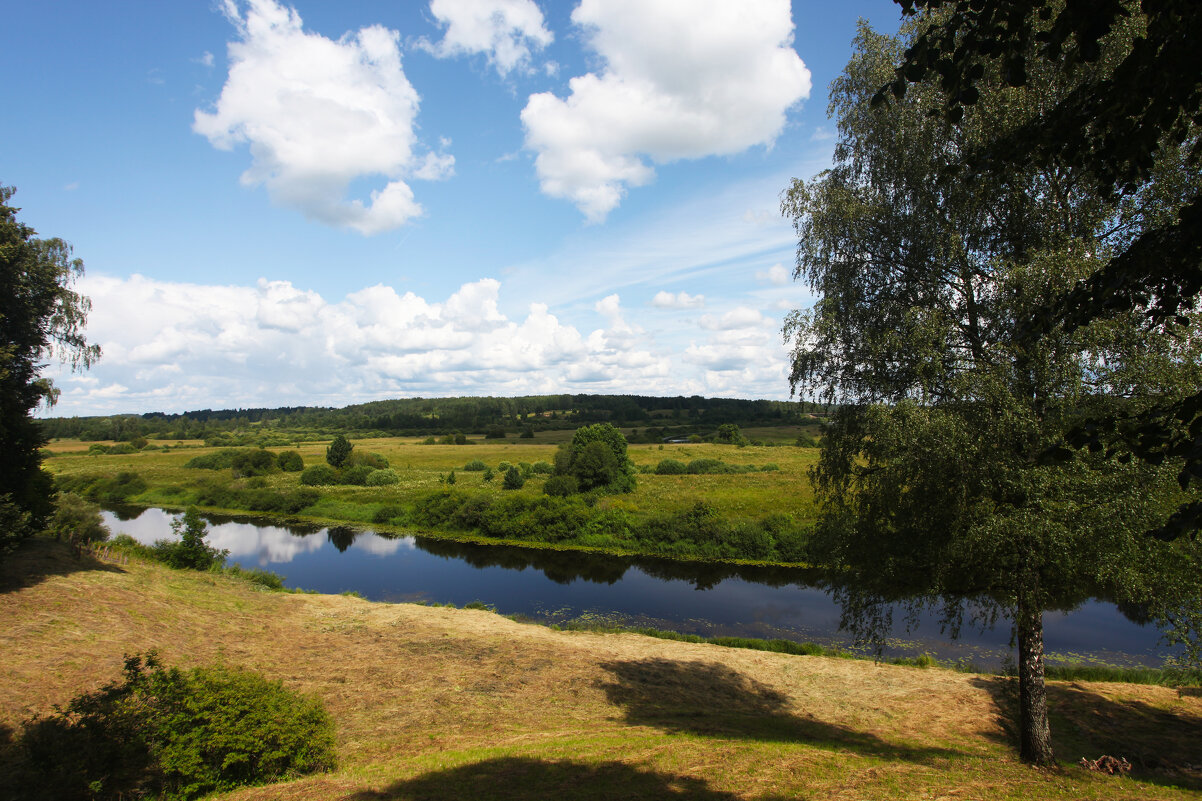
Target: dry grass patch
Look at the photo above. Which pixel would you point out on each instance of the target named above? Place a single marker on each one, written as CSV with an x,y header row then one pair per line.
x,y
443,703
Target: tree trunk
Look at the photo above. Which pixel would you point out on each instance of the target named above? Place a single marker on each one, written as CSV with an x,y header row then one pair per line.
x,y
1035,736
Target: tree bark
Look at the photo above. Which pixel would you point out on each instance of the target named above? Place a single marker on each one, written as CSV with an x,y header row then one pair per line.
x,y
1035,736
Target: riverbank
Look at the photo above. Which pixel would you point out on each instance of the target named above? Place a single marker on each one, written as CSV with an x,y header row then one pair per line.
x,y
444,703
754,506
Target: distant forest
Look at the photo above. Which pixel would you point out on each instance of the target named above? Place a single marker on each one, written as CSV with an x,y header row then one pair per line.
x,y
441,416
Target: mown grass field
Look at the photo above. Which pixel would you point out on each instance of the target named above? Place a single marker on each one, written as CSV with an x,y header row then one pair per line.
x,y
436,703
420,467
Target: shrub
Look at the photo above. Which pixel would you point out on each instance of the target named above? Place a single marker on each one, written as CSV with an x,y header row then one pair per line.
x,y
488,474
475,466
451,478
116,489
503,467
191,552
496,432
513,479
380,478
76,520
373,460
561,486
121,448
176,733
318,475
356,475
526,469
805,440
771,467
290,462
706,466
338,451
670,467
386,514
253,462
527,433
542,468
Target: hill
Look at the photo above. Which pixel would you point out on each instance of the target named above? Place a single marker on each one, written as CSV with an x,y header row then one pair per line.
x,y
438,703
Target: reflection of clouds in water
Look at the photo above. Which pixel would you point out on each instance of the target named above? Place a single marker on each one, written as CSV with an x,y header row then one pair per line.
x,y
376,545
268,543
151,525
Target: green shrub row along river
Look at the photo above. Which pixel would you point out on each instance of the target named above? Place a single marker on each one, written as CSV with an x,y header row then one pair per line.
x,y
695,501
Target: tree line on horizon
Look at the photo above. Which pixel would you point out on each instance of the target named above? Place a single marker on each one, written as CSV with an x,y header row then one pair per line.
x,y
426,416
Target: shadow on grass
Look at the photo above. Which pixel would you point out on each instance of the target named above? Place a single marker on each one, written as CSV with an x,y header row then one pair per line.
x,y
39,558
711,699
515,778
1162,746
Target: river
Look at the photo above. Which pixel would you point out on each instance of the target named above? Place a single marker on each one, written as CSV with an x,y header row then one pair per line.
x,y
570,586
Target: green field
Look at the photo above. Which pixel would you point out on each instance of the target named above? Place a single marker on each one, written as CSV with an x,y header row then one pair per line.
x,y
781,492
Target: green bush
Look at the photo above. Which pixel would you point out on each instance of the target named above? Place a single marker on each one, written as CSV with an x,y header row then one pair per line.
x,y
253,462
318,475
172,733
338,451
475,466
356,476
76,520
290,462
386,514
513,479
542,468
116,489
191,551
561,486
373,460
670,467
380,478
488,474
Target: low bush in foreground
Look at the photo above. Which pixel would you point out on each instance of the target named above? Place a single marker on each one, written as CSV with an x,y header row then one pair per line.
x,y
170,732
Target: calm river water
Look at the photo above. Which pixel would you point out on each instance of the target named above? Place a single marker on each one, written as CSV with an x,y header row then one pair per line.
x,y
562,586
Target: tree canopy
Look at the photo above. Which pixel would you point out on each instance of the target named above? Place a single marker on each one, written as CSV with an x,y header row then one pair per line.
x,y
41,317
934,485
1117,129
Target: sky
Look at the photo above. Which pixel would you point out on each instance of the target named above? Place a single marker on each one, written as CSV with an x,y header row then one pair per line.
x,y
320,204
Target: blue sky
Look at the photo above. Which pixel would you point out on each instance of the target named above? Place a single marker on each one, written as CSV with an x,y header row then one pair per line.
x,y
324,203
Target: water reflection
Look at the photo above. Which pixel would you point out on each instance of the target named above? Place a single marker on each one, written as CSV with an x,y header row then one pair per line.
x,y
559,586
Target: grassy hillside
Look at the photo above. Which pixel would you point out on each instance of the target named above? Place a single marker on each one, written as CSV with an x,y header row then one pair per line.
x,y
436,703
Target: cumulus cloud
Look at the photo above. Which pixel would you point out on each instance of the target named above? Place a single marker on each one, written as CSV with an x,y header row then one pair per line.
x,y
776,275
506,31
740,317
175,346
679,81
318,114
681,300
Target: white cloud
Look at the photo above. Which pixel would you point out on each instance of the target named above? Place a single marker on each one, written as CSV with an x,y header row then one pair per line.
x,y
505,30
681,300
173,346
681,80
318,114
205,59
776,275
738,318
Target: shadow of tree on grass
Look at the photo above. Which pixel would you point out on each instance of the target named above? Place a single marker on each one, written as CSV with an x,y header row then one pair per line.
x,y
1163,747
712,699
39,558
520,778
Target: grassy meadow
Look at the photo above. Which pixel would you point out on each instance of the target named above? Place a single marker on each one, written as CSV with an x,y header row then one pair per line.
x,y
781,490
439,703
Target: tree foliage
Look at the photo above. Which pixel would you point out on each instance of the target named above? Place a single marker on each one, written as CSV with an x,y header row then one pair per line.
x,y
1117,129
77,520
41,317
933,477
171,733
191,552
596,458
338,451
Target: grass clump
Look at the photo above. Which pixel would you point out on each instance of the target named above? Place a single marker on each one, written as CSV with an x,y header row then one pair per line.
x,y
172,733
